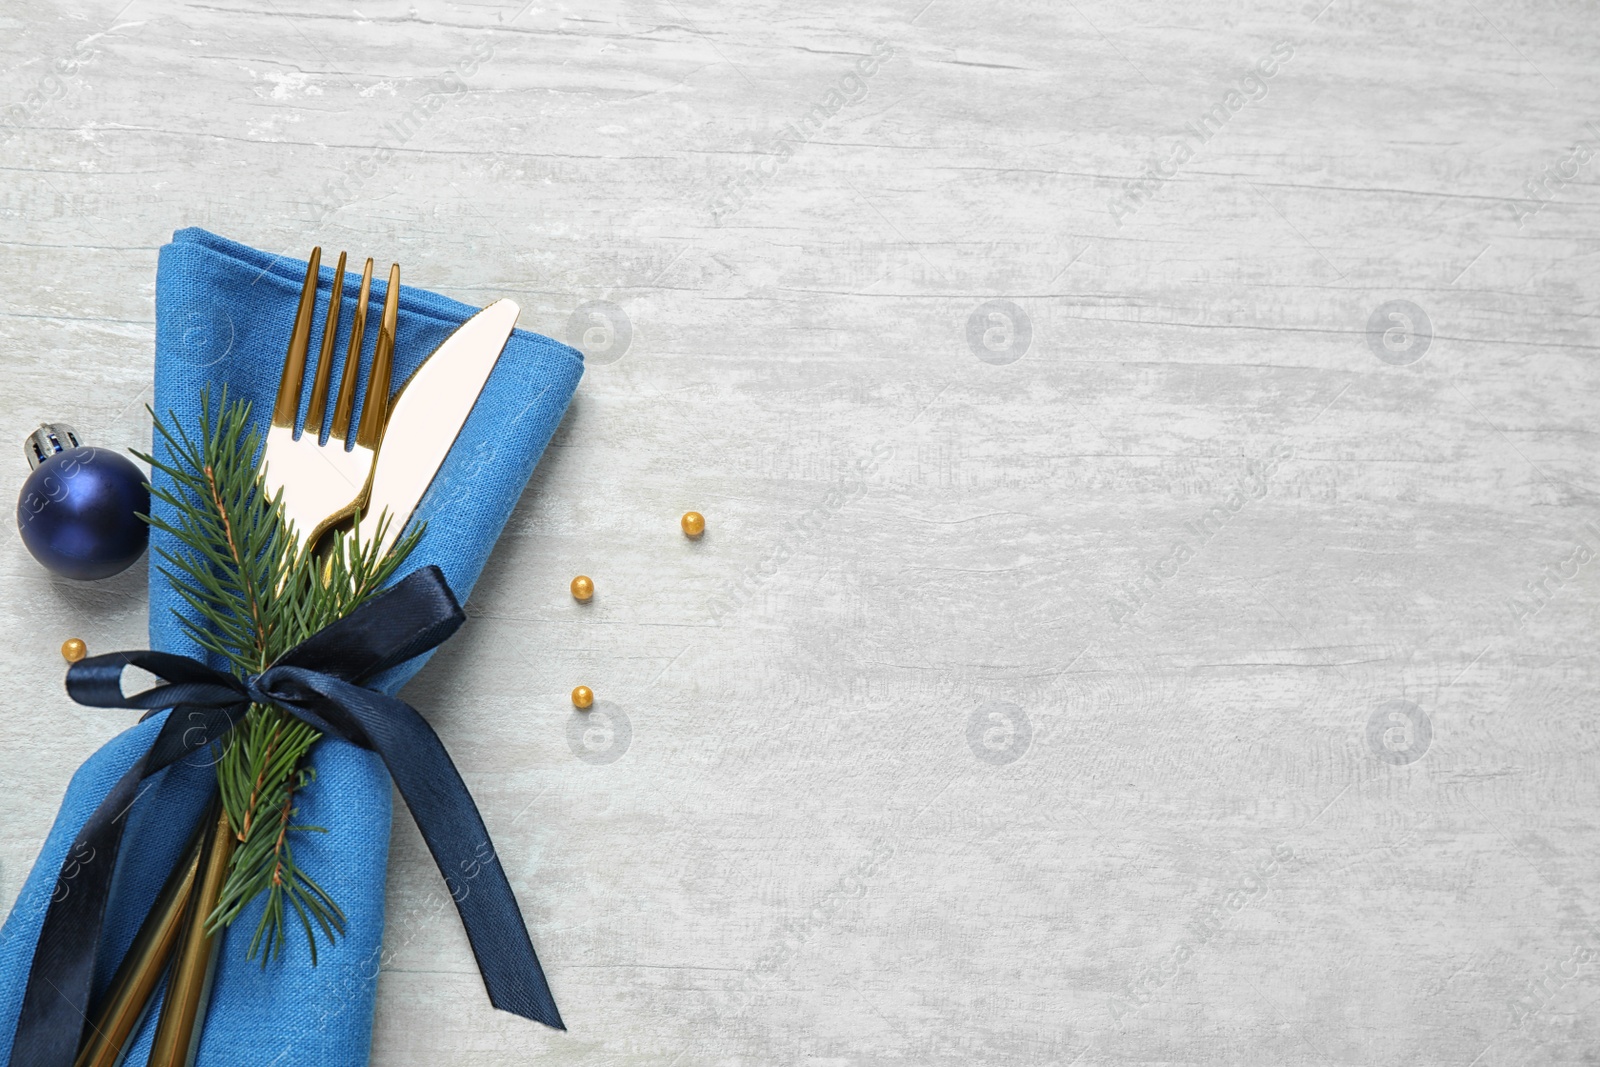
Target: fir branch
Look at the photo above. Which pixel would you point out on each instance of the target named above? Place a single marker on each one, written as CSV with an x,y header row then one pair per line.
x,y
252,597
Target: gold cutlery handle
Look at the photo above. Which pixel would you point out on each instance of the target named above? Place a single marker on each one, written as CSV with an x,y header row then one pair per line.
x,y
178,1029
141,969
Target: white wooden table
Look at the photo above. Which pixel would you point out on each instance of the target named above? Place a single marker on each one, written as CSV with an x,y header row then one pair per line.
x,y
1122,470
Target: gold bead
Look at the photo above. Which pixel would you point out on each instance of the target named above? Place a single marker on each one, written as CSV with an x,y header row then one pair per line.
x,y
694,523
73,649
582,587
582,697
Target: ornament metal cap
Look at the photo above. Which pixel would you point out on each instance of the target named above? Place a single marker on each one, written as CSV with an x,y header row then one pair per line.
x,y
47,440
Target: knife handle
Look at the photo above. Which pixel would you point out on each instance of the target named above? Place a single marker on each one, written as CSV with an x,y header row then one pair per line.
x,y
178,1029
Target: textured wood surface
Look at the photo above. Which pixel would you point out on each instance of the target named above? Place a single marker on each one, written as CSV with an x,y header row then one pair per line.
x,y
1188,659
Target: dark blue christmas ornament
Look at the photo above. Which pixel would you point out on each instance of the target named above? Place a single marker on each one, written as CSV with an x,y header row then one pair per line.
x,y
79,509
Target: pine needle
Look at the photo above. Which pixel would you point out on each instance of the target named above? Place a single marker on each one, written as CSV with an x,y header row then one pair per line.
x,y
253,598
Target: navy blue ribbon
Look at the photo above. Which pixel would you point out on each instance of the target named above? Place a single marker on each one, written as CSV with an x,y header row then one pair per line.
x,y
321,681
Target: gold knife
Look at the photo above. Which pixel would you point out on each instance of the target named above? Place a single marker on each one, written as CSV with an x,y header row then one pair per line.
x,y
428,413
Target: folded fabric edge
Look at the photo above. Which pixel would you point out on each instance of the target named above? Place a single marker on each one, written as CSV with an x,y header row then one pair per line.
x,y
413,300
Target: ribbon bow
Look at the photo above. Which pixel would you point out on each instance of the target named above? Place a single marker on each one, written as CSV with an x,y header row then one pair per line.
x,y
320,681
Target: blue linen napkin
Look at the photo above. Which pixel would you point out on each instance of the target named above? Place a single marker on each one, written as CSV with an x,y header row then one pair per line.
x,y
223,316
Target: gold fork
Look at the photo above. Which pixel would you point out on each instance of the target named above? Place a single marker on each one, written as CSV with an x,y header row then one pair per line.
x,y
321,485
325,483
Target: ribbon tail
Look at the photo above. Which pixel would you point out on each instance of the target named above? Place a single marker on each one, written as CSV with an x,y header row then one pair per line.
x,y
453,828
55,1003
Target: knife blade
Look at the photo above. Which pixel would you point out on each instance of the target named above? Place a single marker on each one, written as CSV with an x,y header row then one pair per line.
x,y
428,413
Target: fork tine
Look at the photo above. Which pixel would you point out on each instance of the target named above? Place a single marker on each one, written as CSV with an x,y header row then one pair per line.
x,y
287,408
346,404
375,409
324,378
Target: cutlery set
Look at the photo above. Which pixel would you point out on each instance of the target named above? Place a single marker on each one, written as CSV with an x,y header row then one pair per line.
x,y
382,467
